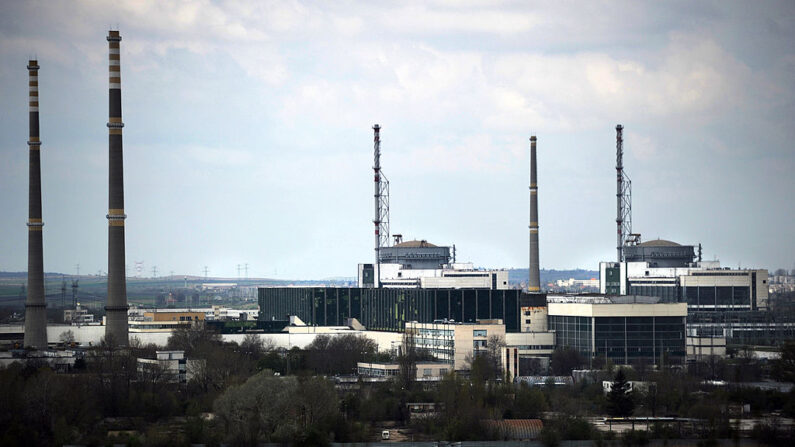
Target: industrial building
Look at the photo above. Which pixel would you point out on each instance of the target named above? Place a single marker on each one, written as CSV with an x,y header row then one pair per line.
x,y
389,309
626,330
424,371
667,270
415,263
455,343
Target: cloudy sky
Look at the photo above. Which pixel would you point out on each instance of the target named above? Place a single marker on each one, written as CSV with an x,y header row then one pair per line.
x,y
248,134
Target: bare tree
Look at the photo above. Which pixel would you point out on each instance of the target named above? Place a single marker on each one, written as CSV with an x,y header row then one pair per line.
x,y
408,359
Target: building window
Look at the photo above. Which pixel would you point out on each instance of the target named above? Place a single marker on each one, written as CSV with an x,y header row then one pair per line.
x,y
478,344
426,372
479,333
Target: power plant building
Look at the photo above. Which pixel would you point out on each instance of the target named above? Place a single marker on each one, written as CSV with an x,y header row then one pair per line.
x,y
626,330
421,264
667,270
389,309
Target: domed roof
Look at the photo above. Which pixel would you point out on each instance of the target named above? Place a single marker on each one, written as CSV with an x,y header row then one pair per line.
x,y
659,243
415,244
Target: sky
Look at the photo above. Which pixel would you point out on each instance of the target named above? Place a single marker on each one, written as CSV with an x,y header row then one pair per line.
x,y
248,137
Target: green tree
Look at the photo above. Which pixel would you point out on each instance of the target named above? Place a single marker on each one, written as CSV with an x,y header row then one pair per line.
x,y
619,399
268,408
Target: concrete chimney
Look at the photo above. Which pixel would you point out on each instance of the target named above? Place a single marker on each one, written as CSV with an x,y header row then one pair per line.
x,y
116,308
35,304
534,285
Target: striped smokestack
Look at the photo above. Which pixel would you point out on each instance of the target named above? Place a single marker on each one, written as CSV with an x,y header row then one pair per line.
x,y
534,285
116,308
35,304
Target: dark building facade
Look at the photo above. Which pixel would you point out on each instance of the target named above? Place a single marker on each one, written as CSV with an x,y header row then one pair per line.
x,y
626,330
623,340
390,309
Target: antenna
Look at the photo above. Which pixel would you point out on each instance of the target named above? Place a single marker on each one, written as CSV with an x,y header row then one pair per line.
x,y
381,195
63,291
74,293
77,267
238,271
154,271
246,268
205,272
623,199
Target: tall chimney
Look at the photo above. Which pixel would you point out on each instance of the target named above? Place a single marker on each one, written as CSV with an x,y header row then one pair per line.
x,y
534,284
35,304
116,308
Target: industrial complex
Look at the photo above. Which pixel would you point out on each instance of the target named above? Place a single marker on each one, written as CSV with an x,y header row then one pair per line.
x,y
658,302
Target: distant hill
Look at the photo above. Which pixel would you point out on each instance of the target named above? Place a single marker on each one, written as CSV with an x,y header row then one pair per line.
x,y
518,276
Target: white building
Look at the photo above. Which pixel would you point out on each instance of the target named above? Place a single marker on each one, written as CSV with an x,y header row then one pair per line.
x,y
705,286
168,366
449,276
455,343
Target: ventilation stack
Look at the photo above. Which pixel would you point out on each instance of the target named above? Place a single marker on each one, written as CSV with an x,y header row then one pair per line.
x,y
116,308
35,304
534,285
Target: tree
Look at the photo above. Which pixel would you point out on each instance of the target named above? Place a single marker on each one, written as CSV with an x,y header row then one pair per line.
x,y
564,360
619,399
408,359
268,408
191,339
529,402
255,346
67,338
339,354
784,366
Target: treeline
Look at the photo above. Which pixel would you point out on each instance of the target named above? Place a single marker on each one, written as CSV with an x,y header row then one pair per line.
x,y
259,393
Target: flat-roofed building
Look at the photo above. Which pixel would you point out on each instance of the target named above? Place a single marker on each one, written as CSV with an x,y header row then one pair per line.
x,y
168,315
701,348
624,329
705,286
455,343
424,371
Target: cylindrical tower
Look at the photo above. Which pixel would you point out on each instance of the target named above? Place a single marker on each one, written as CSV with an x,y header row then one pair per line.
x,y
534,285
35,304
116,308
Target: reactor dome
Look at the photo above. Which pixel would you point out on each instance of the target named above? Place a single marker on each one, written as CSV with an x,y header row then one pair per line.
x,y
660,253
659,243
415,244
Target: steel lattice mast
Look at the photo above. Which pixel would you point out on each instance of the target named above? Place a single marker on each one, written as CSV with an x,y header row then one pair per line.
x,y
623,197
381,194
